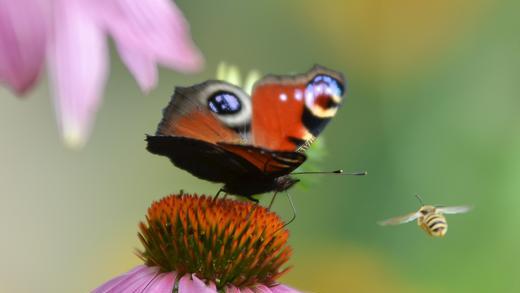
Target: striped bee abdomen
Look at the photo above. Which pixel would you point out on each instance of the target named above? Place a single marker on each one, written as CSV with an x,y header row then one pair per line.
x,y
434,224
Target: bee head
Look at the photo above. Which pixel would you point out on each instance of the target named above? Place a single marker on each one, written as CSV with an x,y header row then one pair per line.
x,y
424,210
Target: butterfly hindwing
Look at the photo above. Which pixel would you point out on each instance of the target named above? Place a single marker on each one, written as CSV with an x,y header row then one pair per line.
x,y
202,159
289,112
270,163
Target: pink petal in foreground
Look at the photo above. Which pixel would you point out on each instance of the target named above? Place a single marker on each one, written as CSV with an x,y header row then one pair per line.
x,y
142,67
78,69
155,28
192,284
23,32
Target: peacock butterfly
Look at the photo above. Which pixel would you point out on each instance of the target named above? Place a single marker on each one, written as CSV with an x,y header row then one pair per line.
x,y
217,132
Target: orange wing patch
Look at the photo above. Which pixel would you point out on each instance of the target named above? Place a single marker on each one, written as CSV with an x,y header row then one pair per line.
x,y
289,112
201,125
273,103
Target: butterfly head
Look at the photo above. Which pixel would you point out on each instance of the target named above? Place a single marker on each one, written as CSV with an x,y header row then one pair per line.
x,y
283,183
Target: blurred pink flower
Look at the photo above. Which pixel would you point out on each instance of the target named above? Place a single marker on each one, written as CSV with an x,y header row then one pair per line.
x,y
146,279
72,36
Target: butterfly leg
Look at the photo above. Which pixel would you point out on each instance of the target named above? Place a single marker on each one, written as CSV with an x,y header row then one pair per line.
x,y
272,201
216,195
251,198
255,205
294,213
293,208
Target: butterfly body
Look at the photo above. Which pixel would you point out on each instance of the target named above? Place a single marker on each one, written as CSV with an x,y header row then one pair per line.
x,y
255,185
217,132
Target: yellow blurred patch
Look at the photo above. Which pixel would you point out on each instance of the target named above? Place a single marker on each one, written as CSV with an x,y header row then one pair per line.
x,y
338,267
231,74
399,37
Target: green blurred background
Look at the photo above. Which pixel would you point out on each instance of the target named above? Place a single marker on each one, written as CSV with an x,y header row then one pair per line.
x,y
432,109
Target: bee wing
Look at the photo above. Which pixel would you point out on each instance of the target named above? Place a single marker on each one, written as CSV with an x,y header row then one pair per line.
x,y
400,220
454,209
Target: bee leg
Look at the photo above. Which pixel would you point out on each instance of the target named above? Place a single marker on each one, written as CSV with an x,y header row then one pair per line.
x,y
272,201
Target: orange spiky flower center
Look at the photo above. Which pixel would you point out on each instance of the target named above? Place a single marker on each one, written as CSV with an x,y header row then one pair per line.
x,y
225,241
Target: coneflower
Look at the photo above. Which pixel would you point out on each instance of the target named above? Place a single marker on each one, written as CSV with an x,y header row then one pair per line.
x,y
198,244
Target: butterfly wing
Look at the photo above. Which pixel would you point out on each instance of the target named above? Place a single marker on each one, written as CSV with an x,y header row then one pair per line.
x,y
400,220
195,120
453,209
202,159
270,163
289,112
213,111
214,123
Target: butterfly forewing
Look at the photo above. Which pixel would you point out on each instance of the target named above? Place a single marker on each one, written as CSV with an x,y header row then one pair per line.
x,y
213,111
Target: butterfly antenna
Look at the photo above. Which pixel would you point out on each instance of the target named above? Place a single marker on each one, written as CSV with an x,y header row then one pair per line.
x,y
420,199
335,172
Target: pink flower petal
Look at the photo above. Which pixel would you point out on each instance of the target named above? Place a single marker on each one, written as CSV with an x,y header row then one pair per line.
x,y
212,286
232,289
142,67
262,289
78,67
163,283
283,289
192,284
23,32
142,273
154,28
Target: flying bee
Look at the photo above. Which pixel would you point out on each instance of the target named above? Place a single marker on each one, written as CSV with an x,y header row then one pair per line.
x,y
430,218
